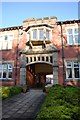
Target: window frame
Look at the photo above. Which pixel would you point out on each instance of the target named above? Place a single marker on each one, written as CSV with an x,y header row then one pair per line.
x,y
72,68
7,69
73,35
30,33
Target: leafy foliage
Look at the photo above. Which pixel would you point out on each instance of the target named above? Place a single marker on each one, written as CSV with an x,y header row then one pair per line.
x,y
6,92
61,104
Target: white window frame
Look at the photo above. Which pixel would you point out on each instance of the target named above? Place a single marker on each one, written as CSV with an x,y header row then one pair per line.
x,y
33,34
7,71
10,40
72,67
5,44
30,33
73,34
1,40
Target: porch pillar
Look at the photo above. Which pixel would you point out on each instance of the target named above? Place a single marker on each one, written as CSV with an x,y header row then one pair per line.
x,y
23,70
55,67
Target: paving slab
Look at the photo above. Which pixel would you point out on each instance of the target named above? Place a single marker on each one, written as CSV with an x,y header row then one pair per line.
x,y
24,106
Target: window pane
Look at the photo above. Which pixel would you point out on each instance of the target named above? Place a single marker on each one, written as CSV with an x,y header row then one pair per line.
x,y
4,66
0,66
69,64
34,34
10,66
11,37
9,74
47,59
51,59
41,34
0,74
70,39
76,39
76,31
76,64
34,58
30,59
69,31
1,38
69,73
76,72
38,58
5,37
4,74
47,34
27,60
42,58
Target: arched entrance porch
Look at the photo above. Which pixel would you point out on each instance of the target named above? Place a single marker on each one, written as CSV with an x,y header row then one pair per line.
x,y
36,73
36,63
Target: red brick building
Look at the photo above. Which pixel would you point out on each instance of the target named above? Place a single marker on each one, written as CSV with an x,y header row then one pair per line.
x,y
38,48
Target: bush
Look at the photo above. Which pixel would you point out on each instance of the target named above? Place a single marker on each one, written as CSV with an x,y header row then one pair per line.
x,y
61,104
6,92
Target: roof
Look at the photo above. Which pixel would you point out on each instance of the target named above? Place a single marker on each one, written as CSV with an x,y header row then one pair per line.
x,y
45,24
68,22
11,28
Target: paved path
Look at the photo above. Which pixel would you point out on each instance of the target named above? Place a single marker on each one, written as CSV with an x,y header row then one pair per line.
x,y
24,106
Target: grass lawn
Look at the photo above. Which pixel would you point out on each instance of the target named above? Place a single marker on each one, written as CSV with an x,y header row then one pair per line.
x,y
61,104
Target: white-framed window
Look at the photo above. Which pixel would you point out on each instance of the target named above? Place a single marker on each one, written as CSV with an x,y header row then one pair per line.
x,y
73,36
34,34
72,70
47,34
41,34
1,40
6,41
5,71
6,37
10,40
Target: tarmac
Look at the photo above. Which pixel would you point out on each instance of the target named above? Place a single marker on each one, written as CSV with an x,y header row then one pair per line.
x,y
24,106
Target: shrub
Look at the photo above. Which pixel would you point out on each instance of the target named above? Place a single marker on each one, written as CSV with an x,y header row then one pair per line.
x,y
9,91
61,104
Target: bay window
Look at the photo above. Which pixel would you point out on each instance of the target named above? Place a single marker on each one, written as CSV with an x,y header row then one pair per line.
x,y
39,34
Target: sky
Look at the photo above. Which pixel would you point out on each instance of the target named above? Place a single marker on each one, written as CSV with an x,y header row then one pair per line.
x,y
14,13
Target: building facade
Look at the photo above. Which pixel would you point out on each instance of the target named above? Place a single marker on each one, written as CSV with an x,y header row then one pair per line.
x,y
38,48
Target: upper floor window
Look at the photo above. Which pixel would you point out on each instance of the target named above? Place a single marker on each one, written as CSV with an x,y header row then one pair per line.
x,y
47,34
34,34
73,36
6,37
6,41
73,70
5,71
41,34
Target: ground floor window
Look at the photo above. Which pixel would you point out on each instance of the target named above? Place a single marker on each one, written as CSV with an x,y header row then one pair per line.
x,y
72,70
5,71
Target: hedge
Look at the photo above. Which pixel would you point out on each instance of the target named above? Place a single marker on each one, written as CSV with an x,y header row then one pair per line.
x,y
61,104
8,91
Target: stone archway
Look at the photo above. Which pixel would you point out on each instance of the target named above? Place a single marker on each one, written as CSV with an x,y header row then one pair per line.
x,y
37,56
36,73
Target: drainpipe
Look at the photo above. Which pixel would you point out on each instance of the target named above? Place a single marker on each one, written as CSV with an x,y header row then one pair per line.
x,y
64,82
16,58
